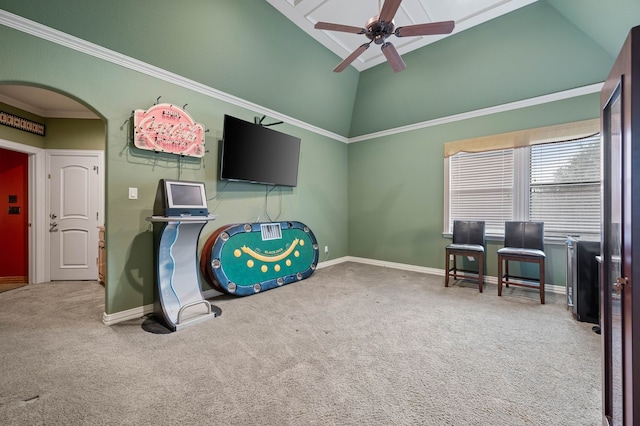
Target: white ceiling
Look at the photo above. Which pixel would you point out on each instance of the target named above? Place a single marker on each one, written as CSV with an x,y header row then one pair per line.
x,y
465,13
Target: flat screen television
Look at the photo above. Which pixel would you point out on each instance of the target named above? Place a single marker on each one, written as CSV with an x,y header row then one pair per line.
x,y
257,154
180,198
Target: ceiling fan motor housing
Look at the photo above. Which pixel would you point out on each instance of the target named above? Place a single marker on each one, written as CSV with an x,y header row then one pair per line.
x,y
378,30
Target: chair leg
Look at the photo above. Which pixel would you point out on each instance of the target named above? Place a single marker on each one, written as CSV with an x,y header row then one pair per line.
x,y
506,273
541,281
480,271
446,268
499,275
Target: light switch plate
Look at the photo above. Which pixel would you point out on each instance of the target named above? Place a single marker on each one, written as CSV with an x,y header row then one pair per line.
x,y
133,193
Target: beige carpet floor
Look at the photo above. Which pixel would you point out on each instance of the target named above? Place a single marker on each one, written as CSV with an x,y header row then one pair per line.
x,y
352,345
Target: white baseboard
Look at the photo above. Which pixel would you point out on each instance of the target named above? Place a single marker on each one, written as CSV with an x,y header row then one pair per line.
x,y
394,265
129,314
111,319
139,312
330,262
551,288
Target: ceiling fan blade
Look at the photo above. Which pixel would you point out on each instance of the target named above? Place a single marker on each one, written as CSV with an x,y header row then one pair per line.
x,y
344,64
338,27
389,9
393,57
444,27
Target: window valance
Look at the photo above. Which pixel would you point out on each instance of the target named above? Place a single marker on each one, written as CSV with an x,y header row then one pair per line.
x,y
522,138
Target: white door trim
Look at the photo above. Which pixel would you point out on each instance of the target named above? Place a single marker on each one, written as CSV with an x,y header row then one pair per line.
x,y
37,208
99,155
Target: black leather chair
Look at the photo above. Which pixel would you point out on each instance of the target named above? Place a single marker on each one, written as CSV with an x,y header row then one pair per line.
x,y
468,240
523,242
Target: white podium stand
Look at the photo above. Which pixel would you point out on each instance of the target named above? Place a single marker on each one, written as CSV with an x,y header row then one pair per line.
x,y
179,302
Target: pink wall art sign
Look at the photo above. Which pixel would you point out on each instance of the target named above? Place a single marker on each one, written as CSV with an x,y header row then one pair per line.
x,y
167,128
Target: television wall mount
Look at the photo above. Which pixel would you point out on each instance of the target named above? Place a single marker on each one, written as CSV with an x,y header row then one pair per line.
x,y
259,120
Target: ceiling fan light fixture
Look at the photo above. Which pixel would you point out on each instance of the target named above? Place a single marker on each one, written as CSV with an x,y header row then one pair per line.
x,y
379,28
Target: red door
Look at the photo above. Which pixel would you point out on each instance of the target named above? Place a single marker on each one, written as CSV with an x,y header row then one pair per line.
x,y
14,217
619,282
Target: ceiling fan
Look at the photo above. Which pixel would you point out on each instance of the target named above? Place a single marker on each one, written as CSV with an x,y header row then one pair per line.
x,y
379,27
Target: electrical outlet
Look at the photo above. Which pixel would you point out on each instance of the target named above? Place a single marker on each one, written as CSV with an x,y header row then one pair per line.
x,y
326,249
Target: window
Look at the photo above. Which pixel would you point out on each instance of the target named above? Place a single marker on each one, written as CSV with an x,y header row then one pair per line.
x,y
555,183
565,186
481,188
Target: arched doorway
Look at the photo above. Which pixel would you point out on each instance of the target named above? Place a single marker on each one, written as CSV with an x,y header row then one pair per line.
x,y
71,129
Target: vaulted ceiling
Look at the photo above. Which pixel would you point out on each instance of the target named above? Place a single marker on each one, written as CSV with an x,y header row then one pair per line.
x,y
465,13
607,26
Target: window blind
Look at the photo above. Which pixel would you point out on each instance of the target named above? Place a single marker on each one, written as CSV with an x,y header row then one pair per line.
x,y
565,186
481,188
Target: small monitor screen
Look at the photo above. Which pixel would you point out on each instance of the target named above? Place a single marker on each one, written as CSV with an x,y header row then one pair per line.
x,y
181,198
183,195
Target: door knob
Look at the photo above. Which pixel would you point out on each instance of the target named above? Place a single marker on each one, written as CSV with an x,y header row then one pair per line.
x,y
617,286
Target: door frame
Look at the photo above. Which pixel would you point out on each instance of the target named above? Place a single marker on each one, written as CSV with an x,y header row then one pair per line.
x,y
99,155
38,271
625,70
39,260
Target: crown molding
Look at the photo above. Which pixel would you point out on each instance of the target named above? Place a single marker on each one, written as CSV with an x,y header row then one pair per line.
x,y
46,33
553,97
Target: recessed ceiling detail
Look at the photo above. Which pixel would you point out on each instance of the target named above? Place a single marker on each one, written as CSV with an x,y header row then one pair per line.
x,y
466,14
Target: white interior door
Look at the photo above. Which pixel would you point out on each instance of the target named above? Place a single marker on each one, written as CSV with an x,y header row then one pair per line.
x,y
74,216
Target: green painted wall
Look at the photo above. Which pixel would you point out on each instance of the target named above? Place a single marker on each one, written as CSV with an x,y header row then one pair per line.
x,y
320,200
606,22
396,185
242,47
64,133
379,199
530,52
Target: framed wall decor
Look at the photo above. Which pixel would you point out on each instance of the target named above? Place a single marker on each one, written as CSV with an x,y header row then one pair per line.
x,y
168,128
